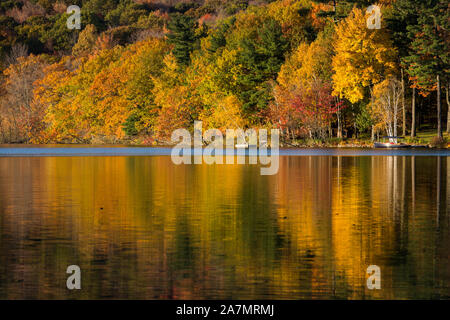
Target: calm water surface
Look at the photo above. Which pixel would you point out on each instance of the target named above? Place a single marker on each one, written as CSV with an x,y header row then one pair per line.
x,y
141,227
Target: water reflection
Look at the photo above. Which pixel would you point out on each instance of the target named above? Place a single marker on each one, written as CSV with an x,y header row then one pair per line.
x,y
141,227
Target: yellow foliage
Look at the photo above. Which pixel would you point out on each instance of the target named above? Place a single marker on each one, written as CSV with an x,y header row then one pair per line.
x,y
48,94
364,57
289,15
97,98
293,70
225,113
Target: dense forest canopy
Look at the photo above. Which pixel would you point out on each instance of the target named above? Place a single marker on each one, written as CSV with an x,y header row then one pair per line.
x,y
138,69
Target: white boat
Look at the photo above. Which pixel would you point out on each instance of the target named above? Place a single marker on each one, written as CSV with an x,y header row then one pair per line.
x,y
242,146
392,143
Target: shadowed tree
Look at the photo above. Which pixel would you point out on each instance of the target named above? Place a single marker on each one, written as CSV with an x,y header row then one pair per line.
x,y
429,56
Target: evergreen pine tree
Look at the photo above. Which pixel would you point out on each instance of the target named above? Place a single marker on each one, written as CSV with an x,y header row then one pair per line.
x,y
429,57
182,37
403,13
262,59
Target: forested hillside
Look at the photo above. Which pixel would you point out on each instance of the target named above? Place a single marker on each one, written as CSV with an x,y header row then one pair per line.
x,y
138,69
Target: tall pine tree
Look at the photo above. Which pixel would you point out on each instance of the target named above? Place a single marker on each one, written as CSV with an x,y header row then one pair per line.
x,y
404,13
261,59
429,56
182,37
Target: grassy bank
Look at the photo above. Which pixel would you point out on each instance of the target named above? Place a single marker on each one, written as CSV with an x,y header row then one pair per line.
x,y
423,138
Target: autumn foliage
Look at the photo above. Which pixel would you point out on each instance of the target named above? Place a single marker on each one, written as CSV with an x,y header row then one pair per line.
x,y
140,69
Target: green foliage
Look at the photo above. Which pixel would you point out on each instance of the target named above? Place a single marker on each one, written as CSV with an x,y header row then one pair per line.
x,y
261,58
127,12
343,7
102,7
218,38
91,17
236,6
129,127
150,21
59,37
363,119
403,13
182,37
252,51
183,7
32,33
430,48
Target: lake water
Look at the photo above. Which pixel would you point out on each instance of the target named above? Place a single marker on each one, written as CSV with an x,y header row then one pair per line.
x,y
141,227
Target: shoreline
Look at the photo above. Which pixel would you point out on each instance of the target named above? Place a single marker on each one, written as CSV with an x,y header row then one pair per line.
x,y
362,146
130,151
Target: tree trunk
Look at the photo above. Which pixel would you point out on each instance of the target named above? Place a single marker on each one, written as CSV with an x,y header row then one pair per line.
x,y
395,123
339,130
447,88
439,122
413,111
395,120
372,133
403,105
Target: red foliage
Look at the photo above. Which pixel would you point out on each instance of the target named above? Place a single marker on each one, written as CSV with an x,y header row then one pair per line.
x,y
207,19
308,109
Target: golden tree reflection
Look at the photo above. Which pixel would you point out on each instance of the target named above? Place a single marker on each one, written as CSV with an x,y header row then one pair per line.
x,y
141,227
